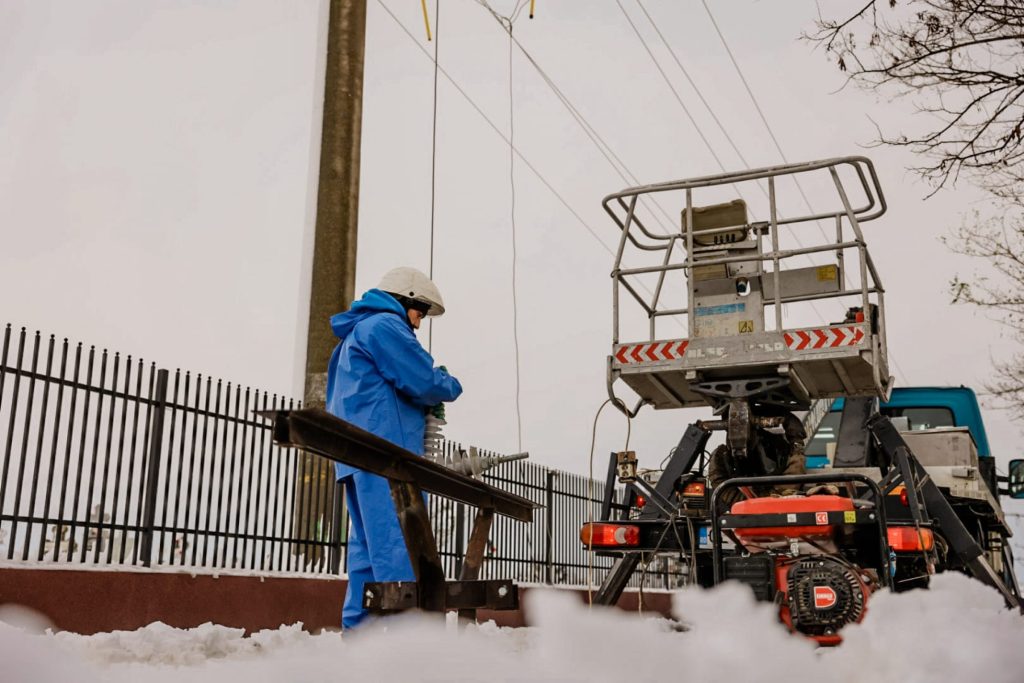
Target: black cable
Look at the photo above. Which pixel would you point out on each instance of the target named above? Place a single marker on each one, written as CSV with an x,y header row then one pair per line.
x,y
433,165
512,187
613,159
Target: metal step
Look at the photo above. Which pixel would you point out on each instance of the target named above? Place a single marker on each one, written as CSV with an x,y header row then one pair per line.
x,y
816,413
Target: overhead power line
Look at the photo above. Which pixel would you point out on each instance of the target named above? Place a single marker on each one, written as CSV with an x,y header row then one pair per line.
x,y
689,115
760,113
613,159
693,84
707,105
743,79
672,88
609,154
772,136
498,131
681,102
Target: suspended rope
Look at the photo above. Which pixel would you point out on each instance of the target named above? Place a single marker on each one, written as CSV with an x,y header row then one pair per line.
x,y
512,187
433,157
507,23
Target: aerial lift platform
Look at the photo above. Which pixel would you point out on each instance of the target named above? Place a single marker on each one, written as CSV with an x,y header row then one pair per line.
x,y
736,272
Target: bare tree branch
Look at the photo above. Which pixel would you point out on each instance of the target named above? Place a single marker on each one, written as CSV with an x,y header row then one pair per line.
x,y
961,62
965,55
998,243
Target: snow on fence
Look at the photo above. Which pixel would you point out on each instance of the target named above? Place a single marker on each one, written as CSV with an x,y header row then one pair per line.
x,y
110,461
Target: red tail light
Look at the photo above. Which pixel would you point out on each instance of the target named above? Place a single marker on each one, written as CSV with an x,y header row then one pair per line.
x,y
904,539
641,501
901,491
605,535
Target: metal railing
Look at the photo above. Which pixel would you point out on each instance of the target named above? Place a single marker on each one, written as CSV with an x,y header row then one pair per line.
x,y
624,209
108,460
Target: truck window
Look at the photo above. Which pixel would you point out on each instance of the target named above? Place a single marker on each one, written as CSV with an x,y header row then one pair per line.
x,y
827,432
917,418
923,418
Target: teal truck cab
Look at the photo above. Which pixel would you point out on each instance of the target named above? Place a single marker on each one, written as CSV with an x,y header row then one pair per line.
x,y
943,427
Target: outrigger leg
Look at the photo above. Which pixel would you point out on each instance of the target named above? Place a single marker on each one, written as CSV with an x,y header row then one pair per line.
x,y
923,493
690,446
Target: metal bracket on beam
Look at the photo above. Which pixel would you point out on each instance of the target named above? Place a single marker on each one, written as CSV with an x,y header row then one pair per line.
x,y
320,432
397,596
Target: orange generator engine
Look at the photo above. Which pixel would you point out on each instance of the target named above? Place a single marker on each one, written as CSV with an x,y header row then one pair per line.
x,y
795,559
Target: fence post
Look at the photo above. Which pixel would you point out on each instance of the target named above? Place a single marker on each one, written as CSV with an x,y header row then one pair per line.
x,y
460,537
549,554
156,442
337,523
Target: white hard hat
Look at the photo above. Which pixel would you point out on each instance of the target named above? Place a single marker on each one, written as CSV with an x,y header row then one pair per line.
x,y
412,284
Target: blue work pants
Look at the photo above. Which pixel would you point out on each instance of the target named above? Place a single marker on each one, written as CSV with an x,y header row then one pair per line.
x,y
376,547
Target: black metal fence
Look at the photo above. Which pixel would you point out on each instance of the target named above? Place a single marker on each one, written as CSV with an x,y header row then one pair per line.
x,y
548,549
109,460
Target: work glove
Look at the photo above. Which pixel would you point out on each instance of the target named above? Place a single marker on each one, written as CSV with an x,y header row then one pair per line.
x,y
438,410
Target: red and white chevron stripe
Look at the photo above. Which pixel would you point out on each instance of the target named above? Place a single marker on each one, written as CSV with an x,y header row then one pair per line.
x,y
650,352
823,338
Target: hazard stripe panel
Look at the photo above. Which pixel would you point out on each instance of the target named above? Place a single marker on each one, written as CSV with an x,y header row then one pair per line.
x,y
796,340
823,338
649,352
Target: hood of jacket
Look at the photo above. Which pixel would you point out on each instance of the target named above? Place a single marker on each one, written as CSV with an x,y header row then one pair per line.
x,y
374,301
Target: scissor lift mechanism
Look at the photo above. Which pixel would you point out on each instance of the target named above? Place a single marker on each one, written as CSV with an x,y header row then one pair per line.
x,y
734,271
410,476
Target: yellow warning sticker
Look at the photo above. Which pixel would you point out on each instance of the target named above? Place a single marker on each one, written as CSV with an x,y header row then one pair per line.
x,y
850,516
827,273
746,326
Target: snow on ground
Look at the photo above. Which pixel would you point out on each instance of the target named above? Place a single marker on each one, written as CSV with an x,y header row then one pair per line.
x,y
956,631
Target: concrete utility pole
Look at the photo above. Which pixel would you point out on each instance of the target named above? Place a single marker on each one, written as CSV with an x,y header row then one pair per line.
x,y
334,250
337,205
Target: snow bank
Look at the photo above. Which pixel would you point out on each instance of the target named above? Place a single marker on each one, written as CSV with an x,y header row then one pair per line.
x,y
956,631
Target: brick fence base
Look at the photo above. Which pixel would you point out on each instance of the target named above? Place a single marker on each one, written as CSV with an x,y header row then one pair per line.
x,y
91,601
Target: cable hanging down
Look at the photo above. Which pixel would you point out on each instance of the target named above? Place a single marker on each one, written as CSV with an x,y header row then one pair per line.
x,y
433,159
512,188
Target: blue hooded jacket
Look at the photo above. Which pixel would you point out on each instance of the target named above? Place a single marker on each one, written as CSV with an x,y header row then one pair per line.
x,y
380,378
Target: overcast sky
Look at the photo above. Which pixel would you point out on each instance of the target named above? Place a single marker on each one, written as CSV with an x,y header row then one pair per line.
x,y
158,173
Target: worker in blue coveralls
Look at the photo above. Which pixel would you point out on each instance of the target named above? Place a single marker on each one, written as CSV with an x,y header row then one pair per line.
x,y
381,379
